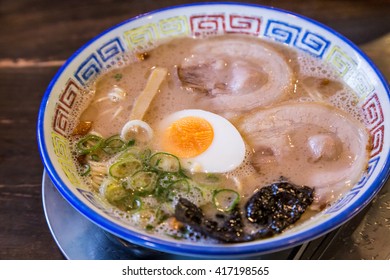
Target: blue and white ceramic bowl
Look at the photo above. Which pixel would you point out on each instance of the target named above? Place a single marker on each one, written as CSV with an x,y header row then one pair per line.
x,y
299,32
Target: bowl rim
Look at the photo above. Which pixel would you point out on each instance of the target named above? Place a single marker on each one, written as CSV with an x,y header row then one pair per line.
x,y
192,249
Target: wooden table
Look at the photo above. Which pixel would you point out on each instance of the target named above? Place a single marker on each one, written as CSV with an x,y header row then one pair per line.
x,y
37,36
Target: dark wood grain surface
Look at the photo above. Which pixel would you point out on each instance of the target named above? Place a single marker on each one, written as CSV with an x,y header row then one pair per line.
x,y
37,36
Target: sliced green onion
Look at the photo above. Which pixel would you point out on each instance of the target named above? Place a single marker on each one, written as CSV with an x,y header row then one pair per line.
x,y
114,144
125,167
95,157
161,192
86,168
161,215
149,227
165,180
131,142
174,236
143,182
89,143
183,231
225,200
208,179
197,192
165,162
145,156
115,192
125,200
179,187
136,204
130,152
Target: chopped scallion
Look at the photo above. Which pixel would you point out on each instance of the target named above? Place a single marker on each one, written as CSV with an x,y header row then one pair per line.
x,y
86,168
179,187
115,192
143,182
114,144
125,167
225,200
165,162
89,144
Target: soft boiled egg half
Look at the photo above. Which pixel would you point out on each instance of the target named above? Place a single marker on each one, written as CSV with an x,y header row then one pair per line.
x,y
203,141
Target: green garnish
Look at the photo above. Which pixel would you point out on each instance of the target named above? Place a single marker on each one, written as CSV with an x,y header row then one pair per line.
x,y
113,145
118,77
136,204
161,216
179,187
131,142
89,144
95,157
165,162
125,167
149,227
115,192
132,152
122,198
164,183
137,175
225,200
143,182
86,168
212,178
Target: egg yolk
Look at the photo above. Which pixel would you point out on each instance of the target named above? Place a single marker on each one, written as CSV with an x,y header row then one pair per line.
x,y
188,137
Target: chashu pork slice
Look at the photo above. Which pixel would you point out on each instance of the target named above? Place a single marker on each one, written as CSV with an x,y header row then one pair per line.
x,y
235,74
310,144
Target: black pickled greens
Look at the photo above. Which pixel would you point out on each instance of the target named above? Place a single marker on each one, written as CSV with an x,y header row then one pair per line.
x,y
272,208
92,143
278,205
229,230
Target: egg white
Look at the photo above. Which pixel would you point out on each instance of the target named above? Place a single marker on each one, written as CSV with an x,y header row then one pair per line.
x,y
225,153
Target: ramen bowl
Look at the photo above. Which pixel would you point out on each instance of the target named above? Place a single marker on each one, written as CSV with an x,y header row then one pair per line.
x,y
60,105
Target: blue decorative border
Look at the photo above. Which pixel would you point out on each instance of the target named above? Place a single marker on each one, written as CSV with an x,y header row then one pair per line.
x,y
370,169
94,64
282,32
355,190
88,69
110,49
342,202
289,34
